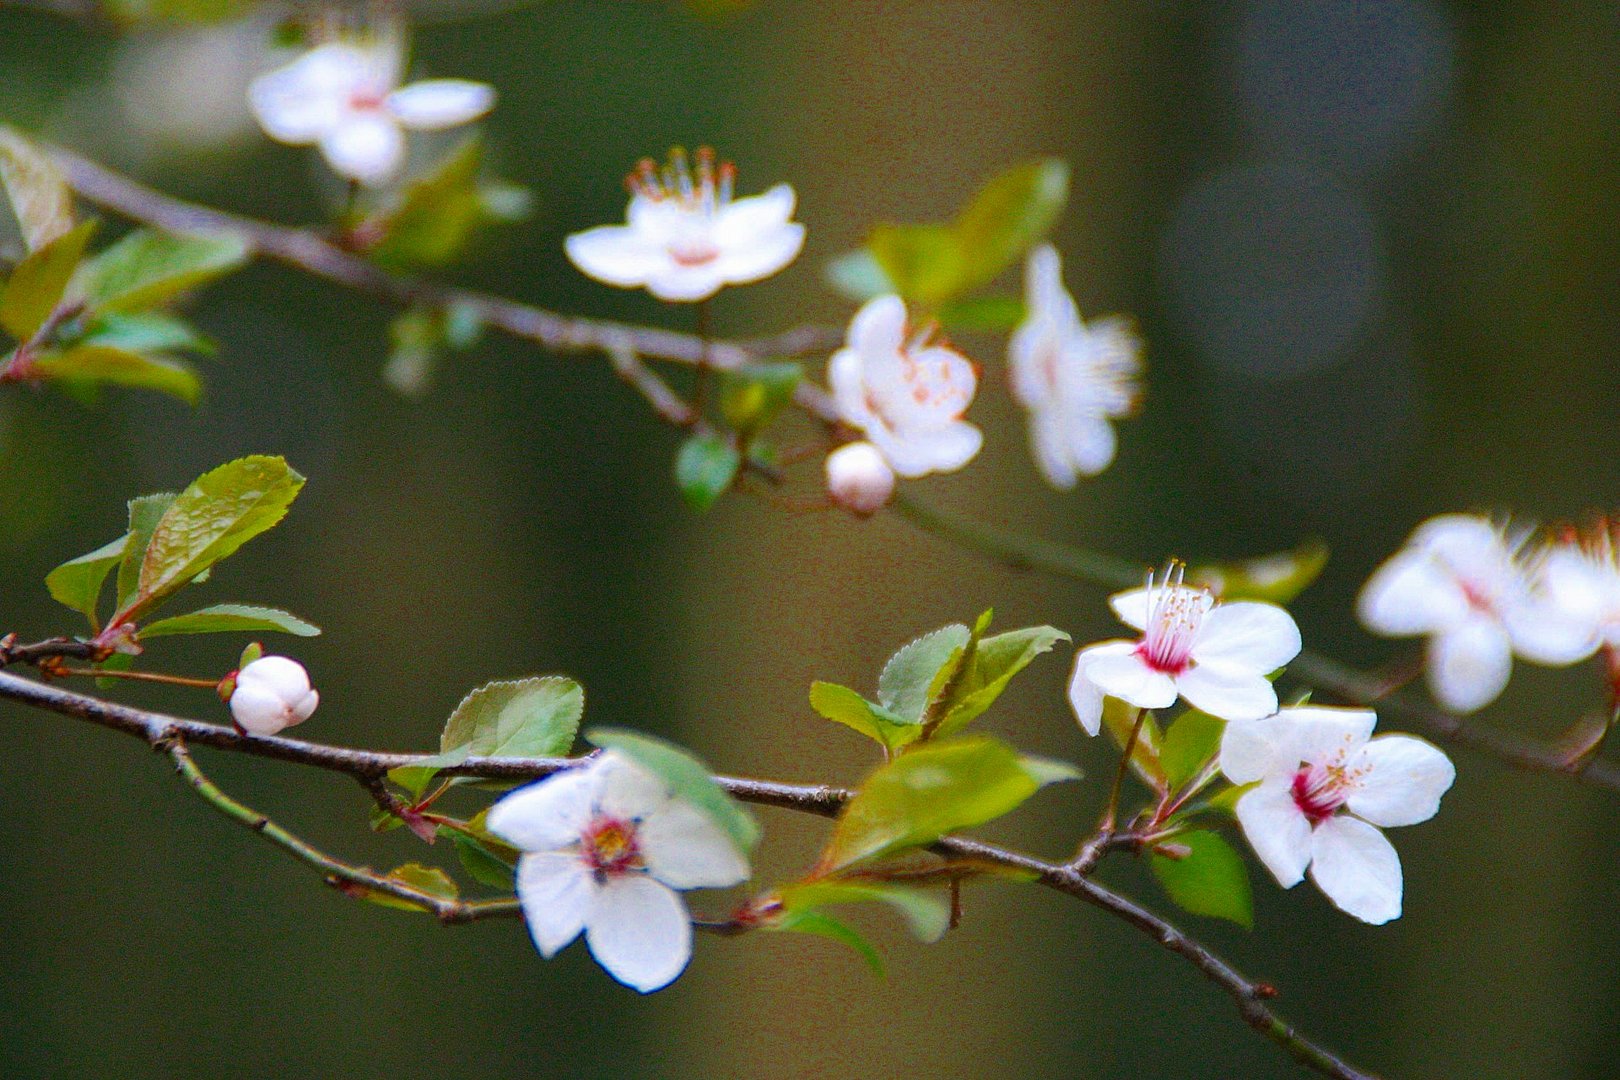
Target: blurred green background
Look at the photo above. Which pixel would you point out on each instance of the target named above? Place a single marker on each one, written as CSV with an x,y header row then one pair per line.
x,y
1373,249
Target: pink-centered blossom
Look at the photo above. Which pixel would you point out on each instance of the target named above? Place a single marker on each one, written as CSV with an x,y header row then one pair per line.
x,y
1324,790
607,850
906,394
686,237
1463,582
1215,656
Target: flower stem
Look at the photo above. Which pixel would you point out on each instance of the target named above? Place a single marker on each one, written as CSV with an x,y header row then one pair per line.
x,y
139,676
1110,814
705,366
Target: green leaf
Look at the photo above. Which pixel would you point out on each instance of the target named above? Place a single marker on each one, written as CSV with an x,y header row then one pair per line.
x,y
481,863
688,779
231,618
814,922
1277,578
39,196
211,519
931,790
1008,216
1189,744
751,396
534,717
101,364
1225,801
704,468
1117,718
992,665
144,514
147,268
928,914
37,284
146,332
983,314
858,275
926,263
918,674
1211,880
115,662
436,215
77,583
844,706
428,879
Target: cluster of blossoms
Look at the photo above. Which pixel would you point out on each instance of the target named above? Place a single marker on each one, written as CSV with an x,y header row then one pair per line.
x,y
1482,593
345,97
1323,788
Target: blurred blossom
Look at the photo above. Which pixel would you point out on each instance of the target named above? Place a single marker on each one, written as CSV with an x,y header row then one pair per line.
x,y
1215,656
1324,791
344,96
1274,269
859,479
686,237
907,395
1460,582
1345,83
1072,378
1579,574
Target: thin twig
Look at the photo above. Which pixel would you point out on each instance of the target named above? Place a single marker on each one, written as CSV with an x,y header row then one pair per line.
x,y
170,733
314,254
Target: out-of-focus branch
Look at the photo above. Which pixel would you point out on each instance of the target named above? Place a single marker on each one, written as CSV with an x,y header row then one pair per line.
x,y
173,736
1321,672
317,255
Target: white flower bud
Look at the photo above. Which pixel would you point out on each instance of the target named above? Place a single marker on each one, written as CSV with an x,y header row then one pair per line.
x,y
859,479
272,693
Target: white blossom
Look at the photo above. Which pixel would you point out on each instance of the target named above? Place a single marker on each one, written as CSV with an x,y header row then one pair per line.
x,y
1324,791
859,479
1215,656
344,96
1072,378
272,693
906,395
606,849
1460,581
685,236
1578,576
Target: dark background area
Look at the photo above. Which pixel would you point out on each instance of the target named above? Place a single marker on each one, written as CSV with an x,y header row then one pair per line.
x,y
1372,248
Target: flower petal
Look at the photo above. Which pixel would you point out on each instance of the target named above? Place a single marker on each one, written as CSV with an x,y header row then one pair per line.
x,y
879,327
1091,443
1254,749
1049,444
1403,780
685,284
1411,594
762,255
548,814
1130,678
1227,692
743,222
640,932
1322,732
1085,698
557,893
1546,633
616,255
1248,636
301,102
1132,607
367,147
1357,868
1277,830
685,849
440,103
628,791
1469,664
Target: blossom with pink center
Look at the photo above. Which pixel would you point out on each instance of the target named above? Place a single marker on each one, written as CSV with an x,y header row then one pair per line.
x,y
907,395
1072,378
607,850
1324,790
1215,656
344,96
685,236
1461,581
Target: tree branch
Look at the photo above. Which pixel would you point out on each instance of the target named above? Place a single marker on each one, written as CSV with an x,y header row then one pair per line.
x,y
173,736
316,255
1354,686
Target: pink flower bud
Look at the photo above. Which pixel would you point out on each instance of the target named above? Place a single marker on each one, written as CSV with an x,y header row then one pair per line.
x,y
859,479
272,693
